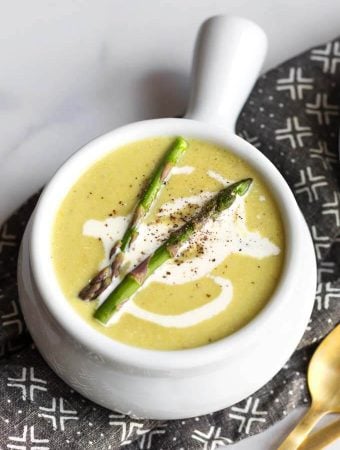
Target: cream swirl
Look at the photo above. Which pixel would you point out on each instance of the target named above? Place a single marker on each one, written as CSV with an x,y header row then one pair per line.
x,y
222,237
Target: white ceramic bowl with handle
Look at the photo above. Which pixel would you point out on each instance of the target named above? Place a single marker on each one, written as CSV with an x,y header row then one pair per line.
x,y
175,384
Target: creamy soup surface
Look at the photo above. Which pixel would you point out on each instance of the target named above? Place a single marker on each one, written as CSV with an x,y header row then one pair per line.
x,y
216,286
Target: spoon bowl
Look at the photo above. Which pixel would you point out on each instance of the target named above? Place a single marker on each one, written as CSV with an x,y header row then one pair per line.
x,y
324,384
324,373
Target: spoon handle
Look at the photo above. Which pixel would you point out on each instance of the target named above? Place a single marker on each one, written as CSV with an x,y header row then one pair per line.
x,y
300,432
323,437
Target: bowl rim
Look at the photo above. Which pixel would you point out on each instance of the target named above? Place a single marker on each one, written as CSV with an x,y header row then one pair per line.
x,y
103,346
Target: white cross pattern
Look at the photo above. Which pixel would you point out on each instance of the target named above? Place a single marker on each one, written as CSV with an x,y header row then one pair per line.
x,y
6,239
128,429
58,414
12,318
248,415
145,441
332,208
322,109
295,83
325,267
27,441
212,439
294,132
27,383
326,157
253,140
310,184
328,55
320,243
324,294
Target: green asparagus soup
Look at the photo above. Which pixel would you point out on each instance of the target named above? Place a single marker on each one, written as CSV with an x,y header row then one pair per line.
x,y
215,282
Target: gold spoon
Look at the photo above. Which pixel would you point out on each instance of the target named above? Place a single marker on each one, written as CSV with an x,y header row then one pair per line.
x,y
324,385
320,439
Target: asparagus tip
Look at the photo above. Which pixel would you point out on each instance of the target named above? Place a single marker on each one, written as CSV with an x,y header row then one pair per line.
x,y
181,143
243,186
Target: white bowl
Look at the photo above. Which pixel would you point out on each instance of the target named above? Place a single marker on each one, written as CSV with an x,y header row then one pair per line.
x,y
175,384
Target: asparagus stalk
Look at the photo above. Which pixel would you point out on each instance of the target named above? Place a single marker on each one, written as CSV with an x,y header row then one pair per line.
x,y
103,279
169,249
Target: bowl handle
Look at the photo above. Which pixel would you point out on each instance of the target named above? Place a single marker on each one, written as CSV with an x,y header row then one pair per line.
x,y
229,53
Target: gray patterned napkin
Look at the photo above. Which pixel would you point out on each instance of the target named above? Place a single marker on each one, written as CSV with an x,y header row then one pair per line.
x,y
292,116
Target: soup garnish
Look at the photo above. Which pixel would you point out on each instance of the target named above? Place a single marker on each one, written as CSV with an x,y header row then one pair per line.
x,y
170,248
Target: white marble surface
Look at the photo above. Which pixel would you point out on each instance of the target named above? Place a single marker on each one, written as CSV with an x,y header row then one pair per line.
x,y
73,69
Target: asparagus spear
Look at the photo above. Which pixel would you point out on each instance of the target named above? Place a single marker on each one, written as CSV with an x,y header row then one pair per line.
x,y
169,249
103,279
